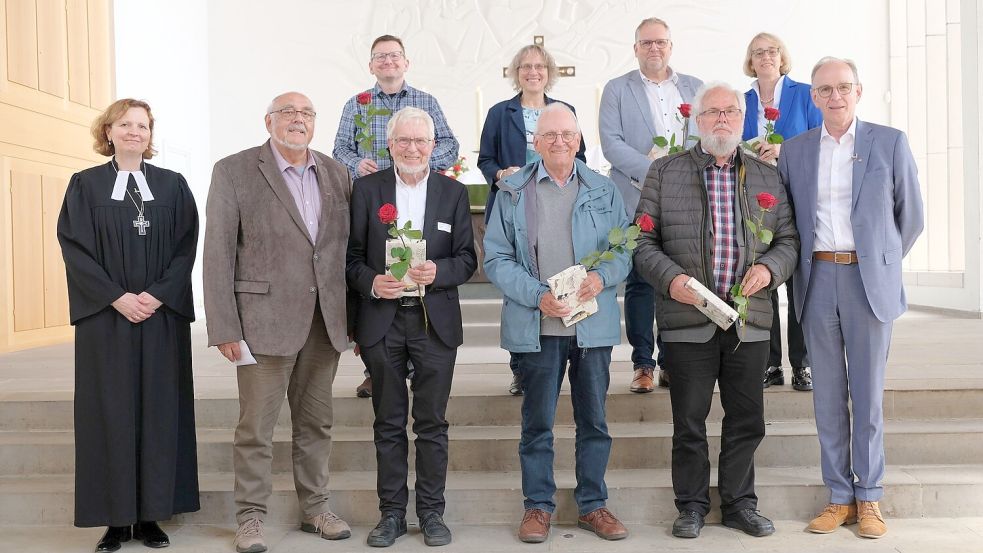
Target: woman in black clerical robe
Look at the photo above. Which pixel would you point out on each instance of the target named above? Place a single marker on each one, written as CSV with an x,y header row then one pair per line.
x,y
128,233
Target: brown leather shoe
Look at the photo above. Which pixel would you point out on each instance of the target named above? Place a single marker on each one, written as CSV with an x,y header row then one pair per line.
x,y
535,527
365,388
871,522
643,382
603,523
832,517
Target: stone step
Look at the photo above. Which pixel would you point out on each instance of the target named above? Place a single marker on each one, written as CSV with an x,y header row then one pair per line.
x,y
636,496
494,448
479,398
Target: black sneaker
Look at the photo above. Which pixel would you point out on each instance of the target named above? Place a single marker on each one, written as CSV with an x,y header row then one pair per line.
x,y
687,525
390,527
802,379
750,522
515,388
774,375
435,532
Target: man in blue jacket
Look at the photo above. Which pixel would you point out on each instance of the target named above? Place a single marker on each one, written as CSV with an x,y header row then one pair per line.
x,y
547,216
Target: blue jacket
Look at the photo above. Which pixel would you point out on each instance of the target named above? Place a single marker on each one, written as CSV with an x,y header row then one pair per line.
x,y
511,265
797,112
503,142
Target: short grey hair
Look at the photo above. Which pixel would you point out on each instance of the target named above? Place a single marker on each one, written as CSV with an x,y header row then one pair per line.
x,y
718,85
560,106
825,60
409,114
652,21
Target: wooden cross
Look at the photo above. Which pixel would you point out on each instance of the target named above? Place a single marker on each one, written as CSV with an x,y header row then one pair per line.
x,y
141,225
564,70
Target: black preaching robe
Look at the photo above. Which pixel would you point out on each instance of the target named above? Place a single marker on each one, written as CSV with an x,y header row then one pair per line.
x,y
135,455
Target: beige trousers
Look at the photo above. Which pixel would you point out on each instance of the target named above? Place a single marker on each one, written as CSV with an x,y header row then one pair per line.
x,y
305,378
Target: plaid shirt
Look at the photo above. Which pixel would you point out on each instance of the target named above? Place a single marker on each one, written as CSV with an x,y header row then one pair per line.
x,y
722,190
348,151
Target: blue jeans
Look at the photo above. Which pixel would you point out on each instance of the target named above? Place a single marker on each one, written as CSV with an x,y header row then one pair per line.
x,y
639,320
542,374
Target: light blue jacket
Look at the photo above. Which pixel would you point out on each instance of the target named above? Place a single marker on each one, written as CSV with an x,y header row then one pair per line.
x,y
510,257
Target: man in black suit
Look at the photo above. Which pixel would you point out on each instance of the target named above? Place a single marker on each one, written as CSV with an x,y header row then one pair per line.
x,y
392,330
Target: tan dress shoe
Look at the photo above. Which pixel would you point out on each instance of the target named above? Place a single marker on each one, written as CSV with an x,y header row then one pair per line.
x,y
328,525
249,537
871,522
832,517
603,523
535,527
643,382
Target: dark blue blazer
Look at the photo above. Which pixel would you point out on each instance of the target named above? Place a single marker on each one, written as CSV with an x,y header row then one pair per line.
x,y
503,142
798,113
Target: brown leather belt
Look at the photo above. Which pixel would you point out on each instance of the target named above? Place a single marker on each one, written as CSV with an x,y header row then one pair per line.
x,y
840,258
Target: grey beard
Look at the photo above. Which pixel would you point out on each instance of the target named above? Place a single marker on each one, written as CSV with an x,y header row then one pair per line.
x,y
719,146
290,146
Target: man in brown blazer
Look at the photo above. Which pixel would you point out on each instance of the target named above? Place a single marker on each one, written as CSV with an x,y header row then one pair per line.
x,y
274,281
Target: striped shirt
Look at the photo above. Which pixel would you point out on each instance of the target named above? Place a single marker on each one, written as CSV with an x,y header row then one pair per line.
x,y
721,185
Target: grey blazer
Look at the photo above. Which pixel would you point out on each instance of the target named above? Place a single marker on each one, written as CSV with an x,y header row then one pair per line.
x,y
627,130
262,273
887,213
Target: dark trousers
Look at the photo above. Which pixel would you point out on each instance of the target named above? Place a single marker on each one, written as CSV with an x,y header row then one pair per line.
x,y
798,357
695,369
640,319
434,365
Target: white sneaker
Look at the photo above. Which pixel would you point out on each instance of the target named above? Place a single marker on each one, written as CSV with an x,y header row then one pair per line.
x,y
249,537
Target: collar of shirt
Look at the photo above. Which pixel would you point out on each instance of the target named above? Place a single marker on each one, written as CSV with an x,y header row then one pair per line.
x,y
420,185
542,173
378,92
411,201
778,90
673,77
851,132
282,164
730,160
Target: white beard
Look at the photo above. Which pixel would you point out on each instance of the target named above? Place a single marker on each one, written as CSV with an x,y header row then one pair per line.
x,y
721,146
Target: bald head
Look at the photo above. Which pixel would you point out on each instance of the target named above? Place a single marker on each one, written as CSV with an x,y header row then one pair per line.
x,y
290,121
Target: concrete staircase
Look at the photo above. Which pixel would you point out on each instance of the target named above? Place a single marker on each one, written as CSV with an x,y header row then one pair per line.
x,y
933,437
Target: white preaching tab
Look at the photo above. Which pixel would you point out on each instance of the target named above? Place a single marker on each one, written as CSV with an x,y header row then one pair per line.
x,y
119,189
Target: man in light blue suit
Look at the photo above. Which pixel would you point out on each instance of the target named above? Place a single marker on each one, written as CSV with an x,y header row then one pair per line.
x,y
635,108
854,187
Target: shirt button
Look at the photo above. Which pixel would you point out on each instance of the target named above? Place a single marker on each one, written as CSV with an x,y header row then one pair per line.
x,y
316,257
313,290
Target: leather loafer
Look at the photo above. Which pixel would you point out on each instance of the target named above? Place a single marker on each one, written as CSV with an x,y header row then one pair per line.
x,y
642,381
150,534
113,538
390,527
774,375
435,532
687,525
750,522
802,379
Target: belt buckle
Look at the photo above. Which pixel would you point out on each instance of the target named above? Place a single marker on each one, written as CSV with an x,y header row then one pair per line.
x,y
847,258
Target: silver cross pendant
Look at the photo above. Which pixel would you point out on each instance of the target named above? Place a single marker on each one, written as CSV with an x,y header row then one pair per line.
x,y
141,224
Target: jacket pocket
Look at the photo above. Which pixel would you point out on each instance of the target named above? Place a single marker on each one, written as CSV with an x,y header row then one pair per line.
x,y
251,287
892,256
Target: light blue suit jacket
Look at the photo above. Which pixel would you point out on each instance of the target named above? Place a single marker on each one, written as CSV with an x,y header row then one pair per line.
x,y
627,130
887,213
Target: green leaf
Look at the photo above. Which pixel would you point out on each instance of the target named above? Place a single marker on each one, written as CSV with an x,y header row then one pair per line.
x,y
616,236
397,252
414,234
398,270
407,225
740,301
672,141
359,121
742,311
393,232
660,141
607,256
775,138
751,226
590,260
631,245
382,153
736,290
765,235
633,232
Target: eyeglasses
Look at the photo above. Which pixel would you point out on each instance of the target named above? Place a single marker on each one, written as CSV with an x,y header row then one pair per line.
x,y
404,142
762,52
714,113
291,113
381,56
826,90
660,43
531,66
551,136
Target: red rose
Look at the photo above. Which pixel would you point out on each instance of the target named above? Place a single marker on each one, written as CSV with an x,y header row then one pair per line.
x,y
387,214
684,110
766,200
457,168
364,98
645,222
772,114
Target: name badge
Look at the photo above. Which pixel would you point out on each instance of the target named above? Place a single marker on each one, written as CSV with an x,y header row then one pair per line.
x,y
443,226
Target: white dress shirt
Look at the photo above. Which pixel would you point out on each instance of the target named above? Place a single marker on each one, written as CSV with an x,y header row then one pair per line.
x,y
761,106
834,233
411,201
664,100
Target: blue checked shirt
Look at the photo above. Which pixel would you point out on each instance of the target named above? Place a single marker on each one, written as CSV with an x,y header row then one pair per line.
x,y
348,151
721,190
